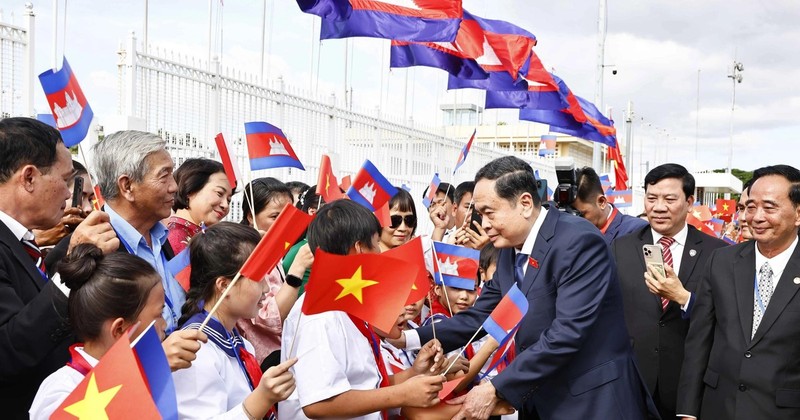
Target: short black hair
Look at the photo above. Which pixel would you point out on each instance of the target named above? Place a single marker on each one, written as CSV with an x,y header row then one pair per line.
x,y
443,187
26,141
264,191
78,168
589,185
513,177
191,177
462,189
297,186
340,225
404,202
671,170
791,174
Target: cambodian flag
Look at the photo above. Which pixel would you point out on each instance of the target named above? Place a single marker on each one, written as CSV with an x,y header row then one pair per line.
x,y
268,147
462,157
72,113
441,55
370,188
547,145
456,266
180,268
156,372
605,183
404,20
622,198
596,127
716,225
434,185
544,91
506,316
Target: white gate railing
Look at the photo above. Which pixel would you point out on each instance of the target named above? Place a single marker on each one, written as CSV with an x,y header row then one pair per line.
x,y
16,65
187,101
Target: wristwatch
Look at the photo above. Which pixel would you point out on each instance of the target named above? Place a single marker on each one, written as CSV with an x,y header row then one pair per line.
x,y
293,281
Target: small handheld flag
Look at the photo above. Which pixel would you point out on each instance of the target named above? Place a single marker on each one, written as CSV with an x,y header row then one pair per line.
x,y
180,268
371,287
327,185
462,157
434,185
156,371
507,315
268,147
370,188
72,113
456,266
411,252
231,169
621,199
287,228
547,145
701,212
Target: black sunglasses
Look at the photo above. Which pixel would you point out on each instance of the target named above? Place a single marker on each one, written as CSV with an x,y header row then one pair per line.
x,y
410,220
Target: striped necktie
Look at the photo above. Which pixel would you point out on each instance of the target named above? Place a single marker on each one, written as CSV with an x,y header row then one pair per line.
x,y
36,255
665,243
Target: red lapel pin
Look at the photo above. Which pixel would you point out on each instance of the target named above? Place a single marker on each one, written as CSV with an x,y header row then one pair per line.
x,y
532,261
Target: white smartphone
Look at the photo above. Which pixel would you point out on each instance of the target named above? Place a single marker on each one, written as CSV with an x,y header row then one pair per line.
x,y
654,255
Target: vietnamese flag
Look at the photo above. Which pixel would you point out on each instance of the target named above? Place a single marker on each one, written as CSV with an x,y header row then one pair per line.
x,y
327,185
283,233
726,209
231,169
345,185
115,388
411,252
371,287
701,213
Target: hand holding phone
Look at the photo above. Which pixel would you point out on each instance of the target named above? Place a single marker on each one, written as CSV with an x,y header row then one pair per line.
x,y
77,192
654,256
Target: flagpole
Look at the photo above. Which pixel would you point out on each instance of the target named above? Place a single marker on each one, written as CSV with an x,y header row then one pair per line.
x,y
221,298
55,34
456,359
444,287
252,199
294,337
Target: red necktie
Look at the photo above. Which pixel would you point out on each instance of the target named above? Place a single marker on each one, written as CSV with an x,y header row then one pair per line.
x,y
665,243
367,332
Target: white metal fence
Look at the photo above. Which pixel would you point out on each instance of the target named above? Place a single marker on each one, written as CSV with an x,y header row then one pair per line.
x,y
16,64
187,101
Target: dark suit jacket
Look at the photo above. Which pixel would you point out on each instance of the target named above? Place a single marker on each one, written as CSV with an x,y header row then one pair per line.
x,y
34,338
658,336
621,225
573,356
726,374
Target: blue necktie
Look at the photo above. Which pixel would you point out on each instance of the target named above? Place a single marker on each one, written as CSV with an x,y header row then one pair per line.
x,y
519,263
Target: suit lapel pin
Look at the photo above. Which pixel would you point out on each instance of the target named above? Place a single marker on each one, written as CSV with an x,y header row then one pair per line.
x,y
796,280
692,253
535,264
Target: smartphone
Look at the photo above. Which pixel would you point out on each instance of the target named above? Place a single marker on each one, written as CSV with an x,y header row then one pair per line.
x,y
654,255
476,217
541,189
77,192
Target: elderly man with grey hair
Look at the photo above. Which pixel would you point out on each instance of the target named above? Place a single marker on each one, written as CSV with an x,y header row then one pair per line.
x,y
134,173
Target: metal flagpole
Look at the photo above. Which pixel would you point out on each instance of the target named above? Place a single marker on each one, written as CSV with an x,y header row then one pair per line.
x,y
598,94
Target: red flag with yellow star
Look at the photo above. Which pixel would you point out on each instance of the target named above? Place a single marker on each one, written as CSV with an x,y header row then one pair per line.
x,y
283,233
411,252
725,209
371,287
114,389
327,185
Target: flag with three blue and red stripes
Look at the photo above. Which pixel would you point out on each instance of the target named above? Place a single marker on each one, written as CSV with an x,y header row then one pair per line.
x,y
462,156
268,147
370,188
71,111
455,265
507,315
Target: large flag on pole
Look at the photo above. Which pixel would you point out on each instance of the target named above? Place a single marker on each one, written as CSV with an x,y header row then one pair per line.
x,y
404,20
268,147
72,113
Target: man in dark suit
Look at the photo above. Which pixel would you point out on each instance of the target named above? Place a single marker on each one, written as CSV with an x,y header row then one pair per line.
x,y
594,206
35,168
573,356
743,344
654,306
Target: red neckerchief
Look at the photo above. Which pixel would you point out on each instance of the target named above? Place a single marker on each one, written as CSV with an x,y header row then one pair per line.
x,y
77,361
438,308
251,366
366,330
610,219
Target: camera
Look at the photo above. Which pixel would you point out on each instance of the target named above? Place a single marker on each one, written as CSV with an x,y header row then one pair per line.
x,y
567,189
614,72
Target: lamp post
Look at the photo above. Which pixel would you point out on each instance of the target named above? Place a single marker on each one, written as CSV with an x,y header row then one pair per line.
x,y
736,77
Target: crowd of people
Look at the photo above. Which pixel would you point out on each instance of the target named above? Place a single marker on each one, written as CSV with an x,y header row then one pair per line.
x,y
712,332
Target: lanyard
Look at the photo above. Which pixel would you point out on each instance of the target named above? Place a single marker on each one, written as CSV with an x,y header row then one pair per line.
x,y
609,220
367,332
166,273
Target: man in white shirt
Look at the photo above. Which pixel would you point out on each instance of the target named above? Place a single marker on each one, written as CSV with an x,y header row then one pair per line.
x,y
741,350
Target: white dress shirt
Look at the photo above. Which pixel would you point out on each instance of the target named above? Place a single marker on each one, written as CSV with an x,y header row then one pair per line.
x,y
676,249
777,263
57,387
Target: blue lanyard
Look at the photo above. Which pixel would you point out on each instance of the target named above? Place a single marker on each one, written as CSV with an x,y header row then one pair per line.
x,y
166,273
758,295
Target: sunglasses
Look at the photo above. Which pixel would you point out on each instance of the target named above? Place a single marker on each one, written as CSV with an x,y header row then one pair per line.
x,y
410,220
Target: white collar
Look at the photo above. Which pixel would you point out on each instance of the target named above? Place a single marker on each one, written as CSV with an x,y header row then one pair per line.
x,y
680,238
530,241
20,232
778,262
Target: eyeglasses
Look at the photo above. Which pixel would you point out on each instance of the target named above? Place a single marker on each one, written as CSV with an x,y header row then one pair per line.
x,y
410,220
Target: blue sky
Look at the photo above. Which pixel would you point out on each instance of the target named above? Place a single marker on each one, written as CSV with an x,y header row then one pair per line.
x,y
656,48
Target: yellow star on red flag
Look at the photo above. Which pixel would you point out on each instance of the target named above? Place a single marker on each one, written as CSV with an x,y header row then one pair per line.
x,y
93,405
354,286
